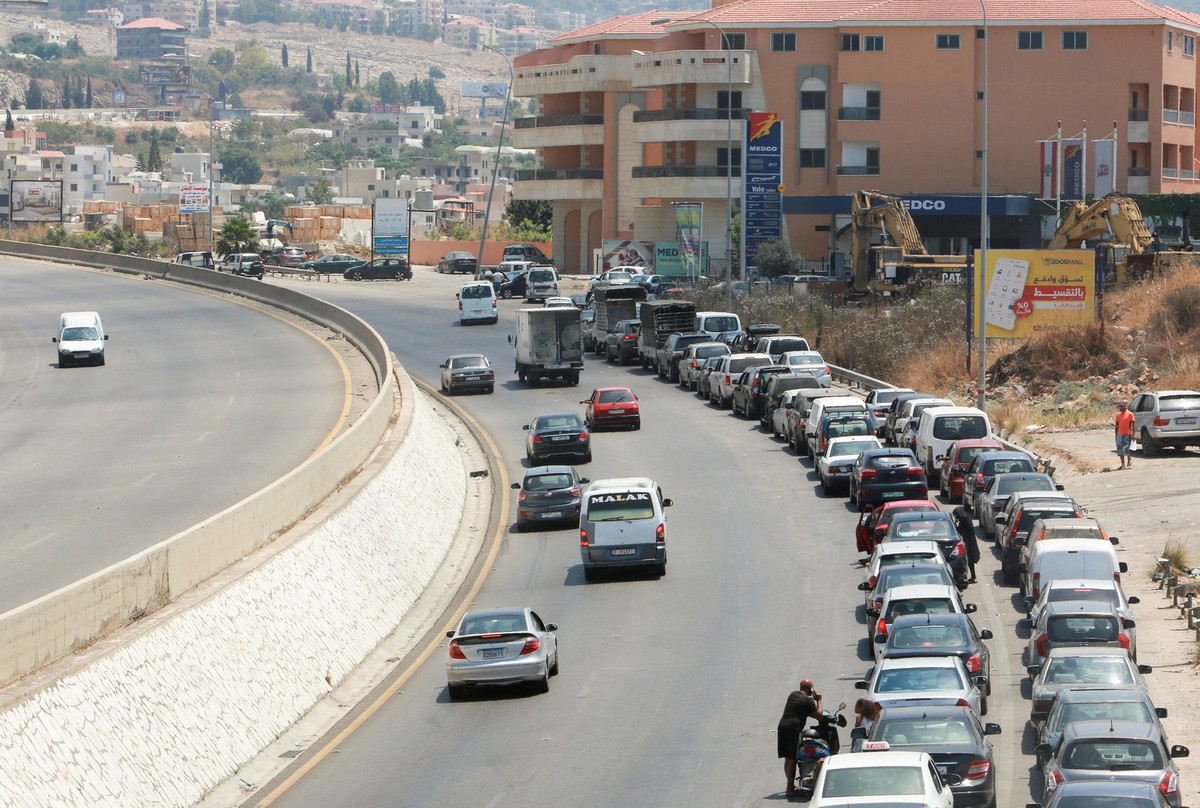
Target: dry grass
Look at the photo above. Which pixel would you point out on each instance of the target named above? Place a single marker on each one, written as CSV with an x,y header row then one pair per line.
x,y
1176,552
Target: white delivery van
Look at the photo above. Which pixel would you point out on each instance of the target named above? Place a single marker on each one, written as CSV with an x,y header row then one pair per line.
x,y
1073,559
718,324
941,426
622,524
477,302
541,283
80,339
822,407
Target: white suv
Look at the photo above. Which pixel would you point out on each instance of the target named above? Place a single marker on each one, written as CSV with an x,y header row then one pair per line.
x,y
722,380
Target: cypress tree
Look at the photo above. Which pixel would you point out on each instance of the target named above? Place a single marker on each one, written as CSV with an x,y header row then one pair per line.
x,y
349,75
308,61
283,55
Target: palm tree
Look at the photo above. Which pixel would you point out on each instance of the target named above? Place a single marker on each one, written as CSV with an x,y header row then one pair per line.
x,y
236,236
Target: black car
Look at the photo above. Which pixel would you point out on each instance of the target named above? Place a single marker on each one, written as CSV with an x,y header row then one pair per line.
x,y
987,465
560,434
380,269
249,269
881,475
549,494
893,412
622,342
514,286
458,261
994,498
953,737
917,635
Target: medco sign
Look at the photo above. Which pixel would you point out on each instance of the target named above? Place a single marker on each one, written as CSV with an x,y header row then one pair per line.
x,y
925,205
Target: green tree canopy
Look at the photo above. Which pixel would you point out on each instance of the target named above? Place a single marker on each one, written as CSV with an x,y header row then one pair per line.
x,y
775,258
222,59
321,193
236,236
239,165
387,88
33,96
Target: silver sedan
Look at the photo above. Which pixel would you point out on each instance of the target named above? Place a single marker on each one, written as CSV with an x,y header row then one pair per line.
x,y
835,465
501,647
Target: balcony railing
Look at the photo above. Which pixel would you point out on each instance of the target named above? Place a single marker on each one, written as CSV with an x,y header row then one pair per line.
x,y
1139,114
654,172
1138,172
539,121
1170,173
858,171
858,113
532,174
1170,116
1187,118
688,115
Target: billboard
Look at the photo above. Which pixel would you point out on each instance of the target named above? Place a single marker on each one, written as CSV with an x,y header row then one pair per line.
x,y
193,198
36,200
762,182
1029,291
618,253
479,89
389,227
671,258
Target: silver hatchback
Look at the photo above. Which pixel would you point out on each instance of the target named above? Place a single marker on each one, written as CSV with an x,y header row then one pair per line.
x,y
501,647
1114,750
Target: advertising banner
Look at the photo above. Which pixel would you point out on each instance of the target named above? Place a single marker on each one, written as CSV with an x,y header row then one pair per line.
x,y
670,260
389,227
619,253
193,198
36,201
1104,181
689,220
1029,291
762,182
491,89
1048,153
1073,168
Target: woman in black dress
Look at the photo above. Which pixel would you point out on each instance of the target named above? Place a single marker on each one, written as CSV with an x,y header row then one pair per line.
x,y
801,704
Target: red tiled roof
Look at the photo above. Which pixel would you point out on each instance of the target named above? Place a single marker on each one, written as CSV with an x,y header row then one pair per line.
x,y
631,26
749,13
155,22
45,153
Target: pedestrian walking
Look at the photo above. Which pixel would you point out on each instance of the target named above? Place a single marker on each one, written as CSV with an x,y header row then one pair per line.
x,y
966,531
1123,427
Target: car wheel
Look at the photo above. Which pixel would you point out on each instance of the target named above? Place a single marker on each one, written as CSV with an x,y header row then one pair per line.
x,y
491,388
660,570
637,425
101,362
983,706
506,294
455,692
1149,445
726,403
587,458
554,667
357,276
519,527
443,386
1008,574
589,574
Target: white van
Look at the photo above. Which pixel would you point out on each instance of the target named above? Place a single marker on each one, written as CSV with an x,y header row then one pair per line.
x,y
717,323
941,426
822,407
622,524
80,339
541,283
477,302
1073,559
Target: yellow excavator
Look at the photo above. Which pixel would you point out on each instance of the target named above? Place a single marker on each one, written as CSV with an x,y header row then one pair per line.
x,y
1129,251
888,256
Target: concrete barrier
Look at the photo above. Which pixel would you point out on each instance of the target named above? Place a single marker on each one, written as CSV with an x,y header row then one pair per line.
x,y
76,616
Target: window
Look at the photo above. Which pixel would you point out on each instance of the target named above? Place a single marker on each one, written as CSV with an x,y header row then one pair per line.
x,y
1029,40
948,41
1170,41
733,42
1189,45
873,44
812,158
74,187
726,100
74,166
783,42
812,99
723,157
851,42
873,99
1074,40
873,157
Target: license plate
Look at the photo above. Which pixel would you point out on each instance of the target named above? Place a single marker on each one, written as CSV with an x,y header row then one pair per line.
x,y
552,515
495,653
1185,420
943,769
892,494
626,551
617,412
557,366
560,438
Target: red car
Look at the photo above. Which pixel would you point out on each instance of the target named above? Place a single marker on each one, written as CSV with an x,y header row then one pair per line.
x,y
612,406
874,522
953,465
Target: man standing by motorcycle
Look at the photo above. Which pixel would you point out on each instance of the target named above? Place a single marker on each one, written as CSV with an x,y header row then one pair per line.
x,y
800,706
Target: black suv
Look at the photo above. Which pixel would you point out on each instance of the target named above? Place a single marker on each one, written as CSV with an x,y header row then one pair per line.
x,y
622,342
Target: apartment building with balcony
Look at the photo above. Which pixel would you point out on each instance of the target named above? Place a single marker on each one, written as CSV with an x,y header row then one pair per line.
x,y
634,112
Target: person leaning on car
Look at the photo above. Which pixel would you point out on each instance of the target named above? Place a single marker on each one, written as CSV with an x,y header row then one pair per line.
x,y
801,704
966,531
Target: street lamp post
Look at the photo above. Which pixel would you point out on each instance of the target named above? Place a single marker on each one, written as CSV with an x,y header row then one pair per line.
x,y
496,162
981,392
728,154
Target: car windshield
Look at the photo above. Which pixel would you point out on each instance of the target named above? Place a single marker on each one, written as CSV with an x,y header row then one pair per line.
x,y
492,624
847,428
1061,593
891,461
615,396
1104,711
1106,670
1174,403
475,292
933,529
929,636
901,558
618,507
80,332
851,448
1112,755
469,362
548,482
969,453
1074,629
805,360
738,365
918,606
711,350
1006,466
558,422
781,345
1031,515
960,427
1012,486
539,275
720,323
1092,801
873,781
915,680
925,732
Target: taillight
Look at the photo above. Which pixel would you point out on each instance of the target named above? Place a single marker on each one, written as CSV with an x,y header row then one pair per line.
x,y
1123,639
962,703
1043,645
575,491
871,581
537,438
660,534
1117,576
521,497
455,651
979,480
1035,584
960,549
974,663
881,627
915,471
531,645
1159,421
460,305
695,365
1168,784
868,473
632,337
1054,780
1041,705
977,770
727,379
583,538
583,435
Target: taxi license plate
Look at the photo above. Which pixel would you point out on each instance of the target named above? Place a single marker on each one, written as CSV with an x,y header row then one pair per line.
x,y
625,551
492,653
1185,420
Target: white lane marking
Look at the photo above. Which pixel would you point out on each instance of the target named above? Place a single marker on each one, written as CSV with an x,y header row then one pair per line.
x,y
49,535
583,691
202,436
145,479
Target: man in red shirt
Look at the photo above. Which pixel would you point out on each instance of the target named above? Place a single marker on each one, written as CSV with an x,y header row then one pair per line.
x,y
1123,426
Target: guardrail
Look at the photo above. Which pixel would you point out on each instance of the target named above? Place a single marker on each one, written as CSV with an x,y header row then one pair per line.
x,y
1176,587
76,616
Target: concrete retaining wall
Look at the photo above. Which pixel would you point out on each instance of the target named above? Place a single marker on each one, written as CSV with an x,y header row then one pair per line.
x,y
76,616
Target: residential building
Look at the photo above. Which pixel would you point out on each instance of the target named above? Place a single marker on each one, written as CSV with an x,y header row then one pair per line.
x,y
181,12
365,138
632,116
86,174
103,17
412,121
470,33
190,166
411,16
150,38
521,39
51,36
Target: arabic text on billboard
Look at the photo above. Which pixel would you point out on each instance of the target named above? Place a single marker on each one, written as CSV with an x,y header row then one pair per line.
x,y
1038,290
391,217
36,201
193,198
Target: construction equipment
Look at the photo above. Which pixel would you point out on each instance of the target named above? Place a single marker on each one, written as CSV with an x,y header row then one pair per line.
x,y
887,254
1130,250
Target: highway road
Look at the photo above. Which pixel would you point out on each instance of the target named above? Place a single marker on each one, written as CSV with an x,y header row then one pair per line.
x,y
202,402
670,688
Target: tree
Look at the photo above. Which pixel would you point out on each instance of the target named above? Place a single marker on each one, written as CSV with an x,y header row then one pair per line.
x,y
66,92
74,49
308,61
205,19
154,161
283,56
320,193
357,75
8,121
775,258
240,166
530,213
236,236
222,60
88,98
436,72
77,98
388,89
349,76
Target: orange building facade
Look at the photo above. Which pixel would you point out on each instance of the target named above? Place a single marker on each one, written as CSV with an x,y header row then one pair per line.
x,y
637,112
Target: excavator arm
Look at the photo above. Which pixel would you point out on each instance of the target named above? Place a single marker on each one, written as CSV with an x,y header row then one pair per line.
x,y
1117,216
877,219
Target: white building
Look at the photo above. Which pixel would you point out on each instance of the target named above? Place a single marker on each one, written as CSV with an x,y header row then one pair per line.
x,y
86,175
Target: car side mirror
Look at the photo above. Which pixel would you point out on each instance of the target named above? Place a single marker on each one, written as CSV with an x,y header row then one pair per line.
x,y
450,633
861,684
552,627
880,638
1161,712
1059,487
666,503
985,634
939,458
525,427
1025,625
1133,600
1029,601
1114,540
1145,669
864,587
1022,568
980,681
584,480
872,611
1129,623
585,401
991,729
106,336
952,779
1002,519
1033,671
1122,566
1179,751
1044,750
54,339
970,608
858,734
442,366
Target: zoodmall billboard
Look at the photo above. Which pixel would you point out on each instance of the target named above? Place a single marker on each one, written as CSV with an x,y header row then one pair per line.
x,y
1028,291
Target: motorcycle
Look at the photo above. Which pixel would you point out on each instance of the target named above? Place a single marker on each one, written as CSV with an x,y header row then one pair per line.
x,y
816,744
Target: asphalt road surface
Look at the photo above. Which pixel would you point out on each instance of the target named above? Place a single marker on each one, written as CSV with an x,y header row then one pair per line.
x,y
670,688
202,402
